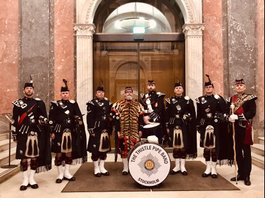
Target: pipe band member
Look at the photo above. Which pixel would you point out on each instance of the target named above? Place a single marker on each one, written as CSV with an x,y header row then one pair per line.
x,y
68,134
32,136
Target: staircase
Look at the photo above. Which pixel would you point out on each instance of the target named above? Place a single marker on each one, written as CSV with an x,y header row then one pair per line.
x,y
7,171
257,152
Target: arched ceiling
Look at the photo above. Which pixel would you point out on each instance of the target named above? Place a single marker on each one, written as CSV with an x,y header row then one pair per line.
x,y
136,16
119,16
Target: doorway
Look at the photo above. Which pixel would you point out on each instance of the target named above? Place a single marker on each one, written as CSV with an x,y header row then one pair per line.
x,y
136,41
122,63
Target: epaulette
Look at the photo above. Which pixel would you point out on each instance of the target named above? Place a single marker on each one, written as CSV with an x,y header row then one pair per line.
x,y
167,100
90,102
186,97
228,99
251,97
38,99
160,94
72,101
54,102
216,96
17,102
248,97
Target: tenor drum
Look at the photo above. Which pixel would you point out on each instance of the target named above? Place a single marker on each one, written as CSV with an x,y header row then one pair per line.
x,y
149,164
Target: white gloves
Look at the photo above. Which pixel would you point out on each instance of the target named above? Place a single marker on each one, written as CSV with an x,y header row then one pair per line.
x,y
233,117
13,133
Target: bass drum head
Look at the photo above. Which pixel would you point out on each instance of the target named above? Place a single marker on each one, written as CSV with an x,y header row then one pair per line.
x,y
149,164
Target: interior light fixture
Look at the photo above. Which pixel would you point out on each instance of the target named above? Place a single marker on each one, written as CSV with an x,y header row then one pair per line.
x,y
138,30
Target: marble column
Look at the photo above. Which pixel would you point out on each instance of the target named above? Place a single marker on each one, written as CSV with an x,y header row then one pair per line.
x,y
84,68
242,49
193,59
260,68
35,50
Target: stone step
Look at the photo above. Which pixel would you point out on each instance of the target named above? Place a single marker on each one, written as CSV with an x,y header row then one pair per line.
x,y
4,144
9,170
4,156
4,135
261,140
258,149
258,160
4,124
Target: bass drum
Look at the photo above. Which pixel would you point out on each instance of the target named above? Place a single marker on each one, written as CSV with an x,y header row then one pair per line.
x,y
149,164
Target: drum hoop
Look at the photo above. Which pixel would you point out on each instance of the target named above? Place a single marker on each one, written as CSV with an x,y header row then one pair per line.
x,y
151,125
157,145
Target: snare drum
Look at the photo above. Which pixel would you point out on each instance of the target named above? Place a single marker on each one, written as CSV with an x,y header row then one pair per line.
x,y
149,164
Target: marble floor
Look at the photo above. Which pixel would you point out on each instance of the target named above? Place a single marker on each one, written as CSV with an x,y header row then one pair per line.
x,y
48,188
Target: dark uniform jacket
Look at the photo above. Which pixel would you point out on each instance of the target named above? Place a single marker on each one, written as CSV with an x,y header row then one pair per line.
x,y
245,108
180,113
99,124
212,110
30,121
156,111
66,116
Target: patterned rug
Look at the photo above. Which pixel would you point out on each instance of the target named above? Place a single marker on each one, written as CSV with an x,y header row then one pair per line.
x,y
116,182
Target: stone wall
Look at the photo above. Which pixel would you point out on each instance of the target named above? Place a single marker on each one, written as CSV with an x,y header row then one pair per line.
x,y
9,53
234,48
243,49
64,46
37,38
260,67
212,43
36,47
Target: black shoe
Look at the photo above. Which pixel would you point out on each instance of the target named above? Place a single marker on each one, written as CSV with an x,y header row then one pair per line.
x,y
214,176
58,181
206,175
34,186
97,174
125,172
105,174
247,181
22,187
184,173
172,172
69,179
238,177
